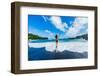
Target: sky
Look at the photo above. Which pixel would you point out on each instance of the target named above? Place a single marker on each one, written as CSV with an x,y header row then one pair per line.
x,y
63,26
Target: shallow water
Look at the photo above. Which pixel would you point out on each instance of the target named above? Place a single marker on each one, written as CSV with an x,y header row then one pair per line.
x,y
67,49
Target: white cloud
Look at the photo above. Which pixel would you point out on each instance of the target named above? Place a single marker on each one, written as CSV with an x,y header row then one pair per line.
x,y
79,26
57,22
72,32
45,18
51,35
49,32
80,21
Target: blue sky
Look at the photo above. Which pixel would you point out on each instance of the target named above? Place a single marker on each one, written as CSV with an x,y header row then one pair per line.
x,y
64,26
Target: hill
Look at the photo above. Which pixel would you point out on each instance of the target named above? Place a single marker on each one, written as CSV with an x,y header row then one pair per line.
x,y
85,36
32,36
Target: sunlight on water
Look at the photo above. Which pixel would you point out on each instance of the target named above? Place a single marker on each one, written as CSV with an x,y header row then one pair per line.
x,y
77,45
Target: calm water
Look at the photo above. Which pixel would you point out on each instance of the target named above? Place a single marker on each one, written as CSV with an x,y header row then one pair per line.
x,y
61,40
42,54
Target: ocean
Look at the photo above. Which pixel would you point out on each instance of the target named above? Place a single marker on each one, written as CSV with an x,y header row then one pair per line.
x,y
67,49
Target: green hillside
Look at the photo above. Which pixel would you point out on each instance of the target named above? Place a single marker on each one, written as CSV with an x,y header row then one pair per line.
x,y
85,36
31,36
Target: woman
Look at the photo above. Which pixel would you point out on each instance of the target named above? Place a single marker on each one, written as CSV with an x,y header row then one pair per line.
x,y
56,41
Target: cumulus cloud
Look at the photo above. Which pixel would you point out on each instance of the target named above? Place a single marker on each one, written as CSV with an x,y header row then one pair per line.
x,y
72,32
49,32
79,26
51,35
57,22
79,21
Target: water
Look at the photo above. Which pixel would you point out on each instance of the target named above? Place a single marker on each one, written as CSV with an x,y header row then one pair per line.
x,y
60,40
67,49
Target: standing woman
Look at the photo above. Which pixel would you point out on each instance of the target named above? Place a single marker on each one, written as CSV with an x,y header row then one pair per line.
x,y
56,42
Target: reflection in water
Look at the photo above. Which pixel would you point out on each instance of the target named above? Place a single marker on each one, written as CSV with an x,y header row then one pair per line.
x,y
42,54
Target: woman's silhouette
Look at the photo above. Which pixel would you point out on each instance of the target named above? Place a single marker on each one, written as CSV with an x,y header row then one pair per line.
x,y
56,36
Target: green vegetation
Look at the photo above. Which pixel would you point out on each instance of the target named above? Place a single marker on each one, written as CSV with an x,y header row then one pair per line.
x,y
85,36
31,36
